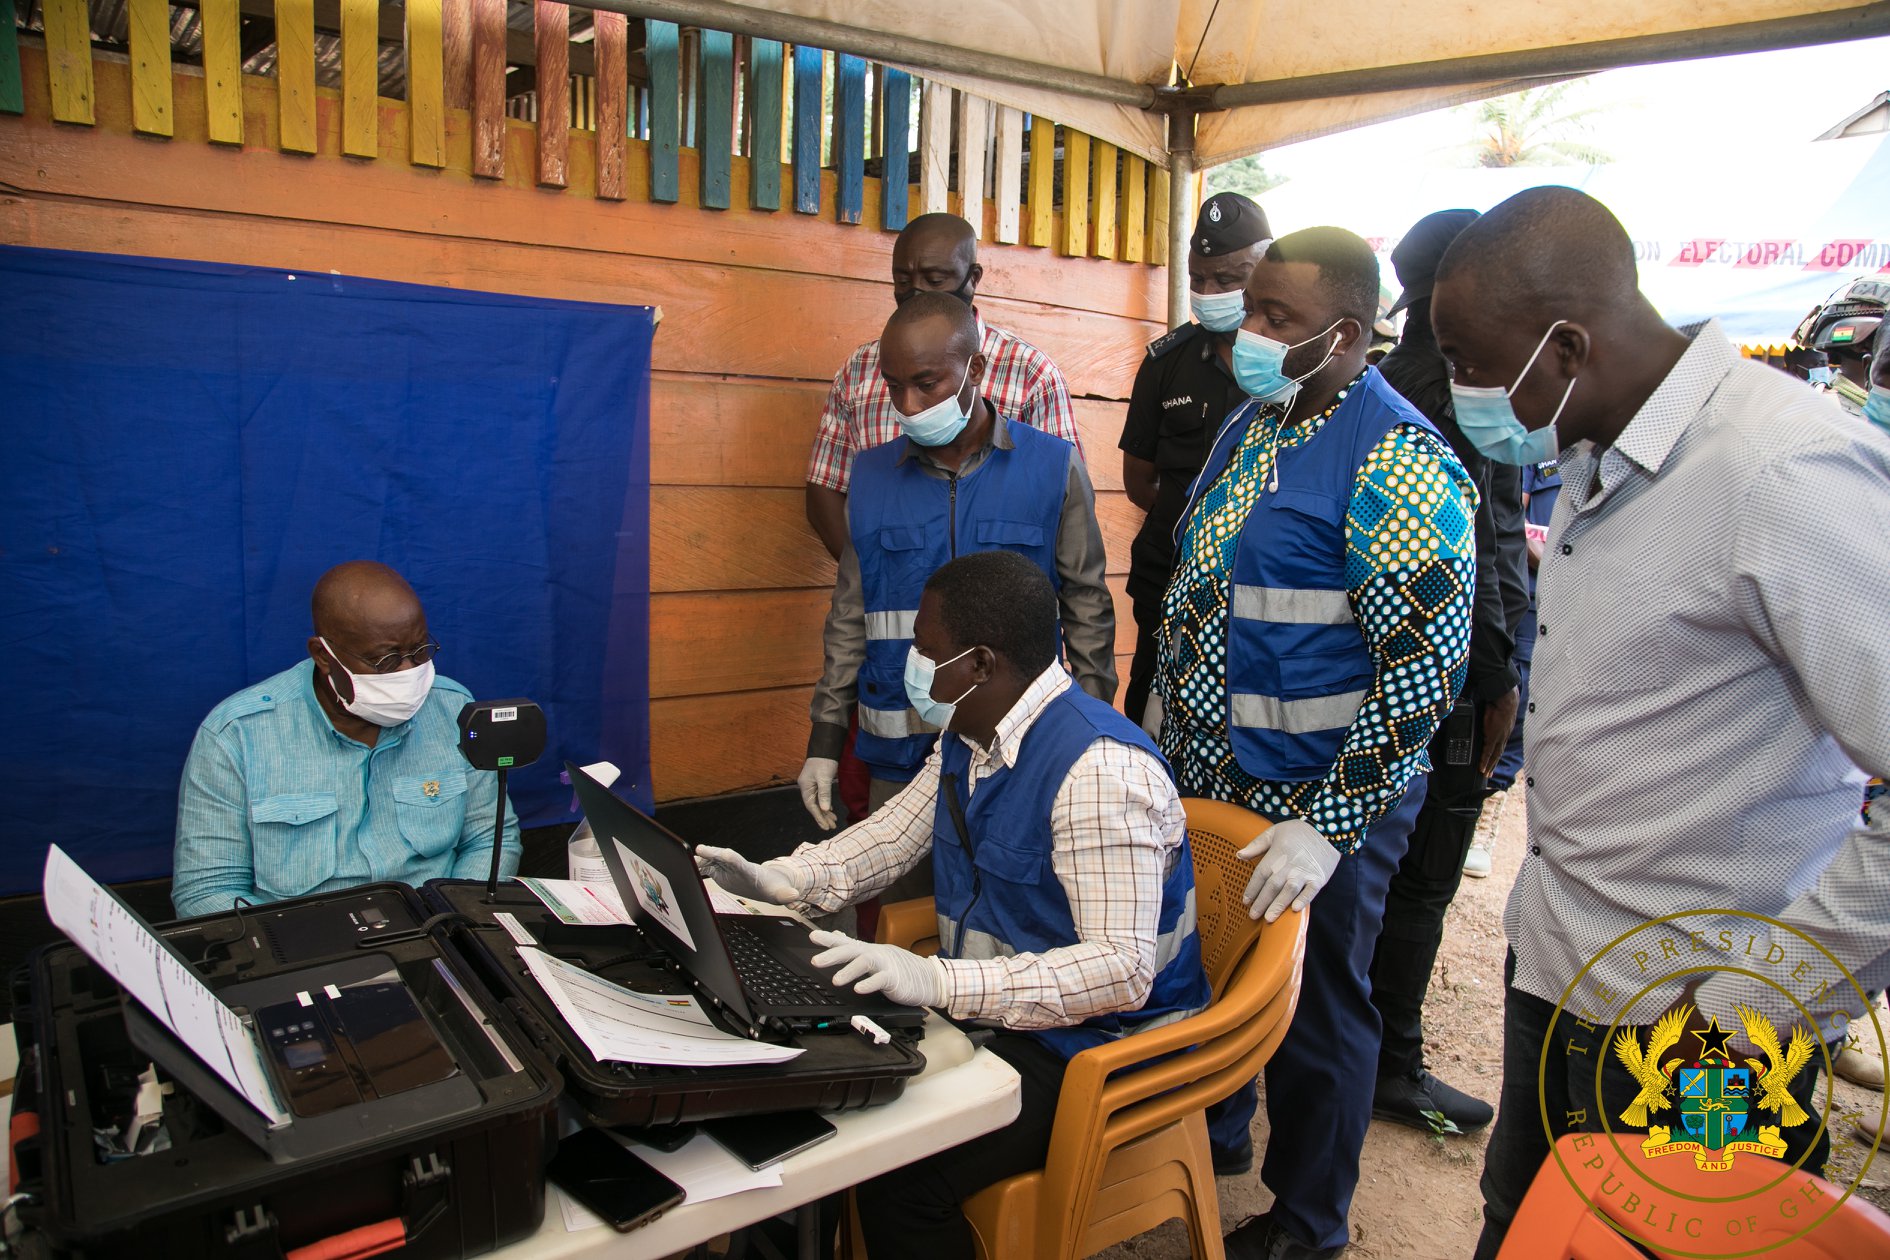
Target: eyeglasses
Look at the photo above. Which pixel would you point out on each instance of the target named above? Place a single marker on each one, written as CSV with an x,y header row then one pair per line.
x,y
392,661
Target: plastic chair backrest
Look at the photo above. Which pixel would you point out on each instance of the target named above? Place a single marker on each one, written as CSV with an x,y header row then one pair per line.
x,y
1217,831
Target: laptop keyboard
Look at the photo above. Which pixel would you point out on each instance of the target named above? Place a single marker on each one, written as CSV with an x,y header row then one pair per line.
x,y
765,977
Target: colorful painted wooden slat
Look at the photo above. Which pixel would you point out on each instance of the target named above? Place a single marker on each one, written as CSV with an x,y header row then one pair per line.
x,y
150,23
456,52
849,153
807,76
426,85
1043,171
295,74
12,91
764,113
660,51
715,119
68,34
1075,193
896,157
1158,216
1102,197
222,23
935,147
551,38
488,88
360,77
974,115
1009,186
1134,202
613,102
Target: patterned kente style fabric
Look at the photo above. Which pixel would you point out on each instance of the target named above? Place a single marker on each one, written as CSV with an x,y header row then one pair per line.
x,y
1410,565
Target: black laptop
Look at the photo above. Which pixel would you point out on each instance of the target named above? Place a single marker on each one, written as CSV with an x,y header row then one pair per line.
x,y
757,970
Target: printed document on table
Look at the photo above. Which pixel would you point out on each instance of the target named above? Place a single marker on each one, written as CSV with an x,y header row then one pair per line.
x,y
620,1024
115,938
583,903
700,1166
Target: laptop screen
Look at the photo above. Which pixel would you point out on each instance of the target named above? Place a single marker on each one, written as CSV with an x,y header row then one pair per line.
x,y
656,877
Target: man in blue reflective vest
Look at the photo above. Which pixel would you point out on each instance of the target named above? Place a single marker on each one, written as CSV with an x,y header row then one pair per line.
x,y
1315,633
1066,910
962,478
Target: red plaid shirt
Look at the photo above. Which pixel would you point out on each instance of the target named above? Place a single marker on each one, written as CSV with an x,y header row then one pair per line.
x,y
1019,380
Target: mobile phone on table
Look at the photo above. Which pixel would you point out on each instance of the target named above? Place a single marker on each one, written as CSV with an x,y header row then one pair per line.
x,y
762,1140
664,1137
597,1171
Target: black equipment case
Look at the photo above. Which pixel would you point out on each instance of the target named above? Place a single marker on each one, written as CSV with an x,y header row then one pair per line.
x,y
450,1168
837,1071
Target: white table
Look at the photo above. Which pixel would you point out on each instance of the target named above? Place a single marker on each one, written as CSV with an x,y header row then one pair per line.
x,y
961,1094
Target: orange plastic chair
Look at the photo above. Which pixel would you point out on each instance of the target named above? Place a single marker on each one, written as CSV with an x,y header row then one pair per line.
x,y
1558,1219
1129,1149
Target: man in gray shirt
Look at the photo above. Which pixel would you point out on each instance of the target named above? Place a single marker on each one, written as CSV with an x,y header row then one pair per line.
x,y
962,478
1702,698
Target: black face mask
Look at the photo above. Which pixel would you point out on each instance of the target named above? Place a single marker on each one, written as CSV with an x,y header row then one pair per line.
x,y
962,292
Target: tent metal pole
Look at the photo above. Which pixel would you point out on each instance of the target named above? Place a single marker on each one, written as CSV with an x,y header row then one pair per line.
x,y
1860,22
919,54
1181,210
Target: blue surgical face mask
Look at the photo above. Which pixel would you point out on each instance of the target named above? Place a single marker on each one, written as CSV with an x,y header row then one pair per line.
x,y
1488,419
1260,365
919,673
1219,312
942,422
1819,376
1877,407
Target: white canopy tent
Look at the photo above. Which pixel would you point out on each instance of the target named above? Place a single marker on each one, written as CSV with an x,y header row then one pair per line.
x,y
1193,83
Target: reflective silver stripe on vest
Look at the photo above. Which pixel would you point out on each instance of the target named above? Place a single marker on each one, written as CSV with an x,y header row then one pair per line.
x,y
891,625
1291,717
1291,607
892,723
1168,944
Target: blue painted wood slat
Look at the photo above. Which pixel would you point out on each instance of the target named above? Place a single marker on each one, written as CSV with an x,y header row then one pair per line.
x,y
897,162
849,159
665,111
764,108
715,121
807,130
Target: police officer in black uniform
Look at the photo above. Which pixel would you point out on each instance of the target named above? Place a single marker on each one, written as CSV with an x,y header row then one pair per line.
x,y
1183,391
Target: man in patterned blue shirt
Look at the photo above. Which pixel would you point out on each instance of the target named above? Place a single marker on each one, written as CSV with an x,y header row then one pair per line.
x,y
342,770
1315,632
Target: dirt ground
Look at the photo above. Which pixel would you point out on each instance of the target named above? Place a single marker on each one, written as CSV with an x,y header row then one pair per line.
x,y
1418,1198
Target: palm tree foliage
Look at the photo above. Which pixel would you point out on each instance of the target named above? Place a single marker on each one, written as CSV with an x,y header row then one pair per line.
x,y
1533,127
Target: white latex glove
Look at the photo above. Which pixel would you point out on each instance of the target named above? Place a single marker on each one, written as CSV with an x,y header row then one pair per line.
x,y
901,975
1295,862
764,882
818,775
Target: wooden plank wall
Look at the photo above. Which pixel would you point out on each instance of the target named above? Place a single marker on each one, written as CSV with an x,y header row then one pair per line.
x,y
760,309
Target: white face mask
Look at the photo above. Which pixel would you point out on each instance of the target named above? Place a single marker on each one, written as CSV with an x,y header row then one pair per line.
x,y
384,699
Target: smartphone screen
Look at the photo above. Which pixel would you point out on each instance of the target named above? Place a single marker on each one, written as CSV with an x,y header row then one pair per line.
x,y
762,1140
610,1181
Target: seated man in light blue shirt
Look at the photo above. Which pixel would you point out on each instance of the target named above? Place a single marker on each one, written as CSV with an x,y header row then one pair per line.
x,y
341,770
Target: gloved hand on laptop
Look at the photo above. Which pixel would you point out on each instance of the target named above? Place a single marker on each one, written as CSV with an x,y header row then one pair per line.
x,y
763,882
898,974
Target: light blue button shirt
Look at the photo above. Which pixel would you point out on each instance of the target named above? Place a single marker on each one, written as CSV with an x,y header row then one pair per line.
x,y
276,802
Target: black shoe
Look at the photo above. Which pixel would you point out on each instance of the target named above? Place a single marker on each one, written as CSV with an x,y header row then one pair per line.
x,y
1235,1162
1421,1101
1258,1238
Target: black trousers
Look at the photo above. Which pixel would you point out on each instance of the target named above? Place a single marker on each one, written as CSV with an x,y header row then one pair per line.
x,y
1566,1089
913,1212
1148,620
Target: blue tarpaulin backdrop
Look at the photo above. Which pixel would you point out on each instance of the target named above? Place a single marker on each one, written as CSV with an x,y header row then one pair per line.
x,y
185,447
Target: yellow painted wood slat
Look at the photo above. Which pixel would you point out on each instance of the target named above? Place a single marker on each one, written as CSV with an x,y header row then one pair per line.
x,y
295,74
360,77
974,116
1158,216
935,147
150,22
1043,172
68,26
223,70
1009,190
1134,207
426,83
1075,193
1102,197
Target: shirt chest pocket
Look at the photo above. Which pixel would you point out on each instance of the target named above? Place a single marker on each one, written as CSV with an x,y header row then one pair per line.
x,y
1021,536
292,842
431,811
1013,864
907,555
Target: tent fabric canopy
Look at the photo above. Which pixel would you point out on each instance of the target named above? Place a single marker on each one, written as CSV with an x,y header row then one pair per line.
x,y
1414,54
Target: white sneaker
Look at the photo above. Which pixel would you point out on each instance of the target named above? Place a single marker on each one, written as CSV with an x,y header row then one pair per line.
x,y
1478,861
1861,1057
